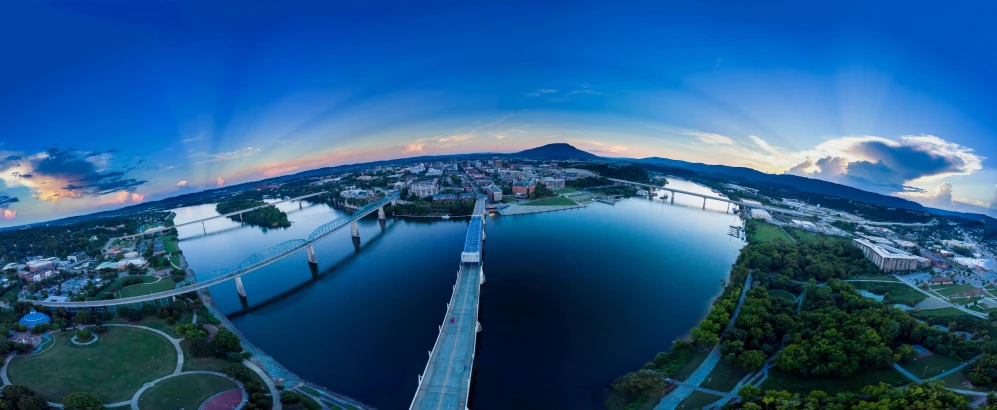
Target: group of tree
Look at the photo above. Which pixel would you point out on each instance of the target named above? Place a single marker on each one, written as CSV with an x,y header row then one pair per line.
x,y
840,333
588,182
541,191
627,172
17,397
823,259
267,217
924,396
421,207
257,398
62,240
707,333
758,329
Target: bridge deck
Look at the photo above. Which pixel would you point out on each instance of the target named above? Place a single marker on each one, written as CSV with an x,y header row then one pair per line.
x,y
446,382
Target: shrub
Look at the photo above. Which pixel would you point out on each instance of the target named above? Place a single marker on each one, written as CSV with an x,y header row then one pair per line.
x,y
290,397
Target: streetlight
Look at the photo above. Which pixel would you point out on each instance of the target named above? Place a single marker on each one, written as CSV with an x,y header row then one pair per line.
x,y
925,371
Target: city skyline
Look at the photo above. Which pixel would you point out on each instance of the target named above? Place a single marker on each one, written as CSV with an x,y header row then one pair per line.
x,y
138,102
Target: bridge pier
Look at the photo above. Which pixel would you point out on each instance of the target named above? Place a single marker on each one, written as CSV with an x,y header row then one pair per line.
x,y
728,208
477,328
673,198
704,203
239,287
380,213
203,228
354,229
312,259
240,218
482,280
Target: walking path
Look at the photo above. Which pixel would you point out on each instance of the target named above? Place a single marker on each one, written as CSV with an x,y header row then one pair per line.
x,y
178,371
980,315
672,400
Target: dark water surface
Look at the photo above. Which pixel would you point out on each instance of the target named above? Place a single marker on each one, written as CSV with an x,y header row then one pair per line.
x,y
573,299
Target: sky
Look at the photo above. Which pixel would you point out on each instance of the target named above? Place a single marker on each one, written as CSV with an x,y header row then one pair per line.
x,y
108,104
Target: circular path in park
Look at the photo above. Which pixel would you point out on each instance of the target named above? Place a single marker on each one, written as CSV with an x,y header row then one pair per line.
x,y
227,400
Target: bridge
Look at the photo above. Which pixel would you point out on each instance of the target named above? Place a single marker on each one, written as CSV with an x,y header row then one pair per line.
x,y
445,383
239,212
715,198
253,262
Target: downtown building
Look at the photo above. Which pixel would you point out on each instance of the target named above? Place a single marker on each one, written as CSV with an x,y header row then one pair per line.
x,y
888,258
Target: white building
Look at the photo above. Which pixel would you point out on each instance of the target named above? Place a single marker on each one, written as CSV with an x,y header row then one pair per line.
x,y
433,172
425,188
888,258
761,214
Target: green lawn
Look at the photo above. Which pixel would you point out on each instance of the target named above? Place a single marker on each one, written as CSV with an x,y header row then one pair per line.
x,y
803,236
170,243
213,364
175,259
949,290
563,191
160,324
958,380
898,293
781,294
556,201
183,392
766,232
113,369
117,284
723,377
509,200
943,312
779,380
930,366
162,285
693,364
698,400
876,277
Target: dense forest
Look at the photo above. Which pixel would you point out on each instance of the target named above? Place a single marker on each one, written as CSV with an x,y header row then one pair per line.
x,y
429,208
268,217
925,396
627,172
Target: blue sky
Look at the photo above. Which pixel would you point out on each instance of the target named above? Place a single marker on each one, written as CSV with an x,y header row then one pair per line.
x,y
109,104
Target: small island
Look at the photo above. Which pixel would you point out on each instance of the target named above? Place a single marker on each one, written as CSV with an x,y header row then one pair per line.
x,y
268,217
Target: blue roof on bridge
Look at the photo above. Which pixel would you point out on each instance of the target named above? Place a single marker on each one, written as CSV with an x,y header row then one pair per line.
x,y
473,241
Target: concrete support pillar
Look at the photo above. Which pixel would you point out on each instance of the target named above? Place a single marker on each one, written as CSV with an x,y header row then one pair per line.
x,y
311,255
239,287
240,217
380,213
482,280
483,235
477,328
203,228
673,197
728,208
704,203
354,229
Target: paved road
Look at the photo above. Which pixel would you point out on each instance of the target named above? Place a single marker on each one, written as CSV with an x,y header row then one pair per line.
x,y
446,380
950,304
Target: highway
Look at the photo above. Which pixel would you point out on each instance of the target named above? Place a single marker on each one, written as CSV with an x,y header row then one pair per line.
x,y
163,228
254,262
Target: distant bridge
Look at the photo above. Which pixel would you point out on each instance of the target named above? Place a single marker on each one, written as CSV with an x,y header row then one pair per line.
x,y
765,207
253,262
239,212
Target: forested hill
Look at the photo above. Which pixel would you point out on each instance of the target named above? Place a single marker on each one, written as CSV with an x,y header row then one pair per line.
x,y
627,172
269,217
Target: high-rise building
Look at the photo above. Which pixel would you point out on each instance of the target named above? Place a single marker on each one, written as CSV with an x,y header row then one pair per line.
x,y
497,162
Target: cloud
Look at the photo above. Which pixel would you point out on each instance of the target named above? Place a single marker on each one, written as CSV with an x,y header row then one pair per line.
x,y
453,138
412,148
9,213
595,147
887,166
220,181
282,141
500,135
161,167
226,156
182,183
709,138
197,138
136,197
5,201
585,91
944,193
540,92
55,174
765,146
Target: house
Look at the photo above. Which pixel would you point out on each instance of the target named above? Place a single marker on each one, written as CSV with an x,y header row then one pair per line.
x,y
553,183
524,187
941,280
425,188
494,192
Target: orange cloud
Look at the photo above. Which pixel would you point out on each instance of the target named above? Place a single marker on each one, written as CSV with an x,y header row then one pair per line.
x,y
137,197
182,183
9,214
220,181
122,196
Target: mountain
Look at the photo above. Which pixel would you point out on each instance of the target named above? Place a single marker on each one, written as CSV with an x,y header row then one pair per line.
x,y
554,151
798,183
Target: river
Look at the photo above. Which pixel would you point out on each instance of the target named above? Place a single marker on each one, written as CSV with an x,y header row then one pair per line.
x,y
573,299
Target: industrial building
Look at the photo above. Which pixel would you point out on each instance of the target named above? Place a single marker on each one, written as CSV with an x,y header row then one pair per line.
x,y
888,258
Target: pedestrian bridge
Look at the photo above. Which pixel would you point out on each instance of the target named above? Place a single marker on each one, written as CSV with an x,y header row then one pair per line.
x,y
253,262
445,383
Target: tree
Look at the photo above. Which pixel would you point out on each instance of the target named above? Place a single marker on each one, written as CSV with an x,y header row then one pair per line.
x,y
906,352
704,338
82,401
641,383
227,341
82,317
751,360
201,347
239,372
290,397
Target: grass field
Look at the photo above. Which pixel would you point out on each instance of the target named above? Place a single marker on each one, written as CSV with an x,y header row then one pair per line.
x,y
943,312
781,294
162,285
183,392
170,243
765,232
930,366
958,380
117,284
175,259
696,360
557,201
723,377
113,369
213,364
899,293
509,200
160,324
803,236
698,400
949,290
876,277
563,191
779,380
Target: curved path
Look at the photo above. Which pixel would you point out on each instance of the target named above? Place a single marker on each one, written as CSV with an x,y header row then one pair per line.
x,y
178,371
